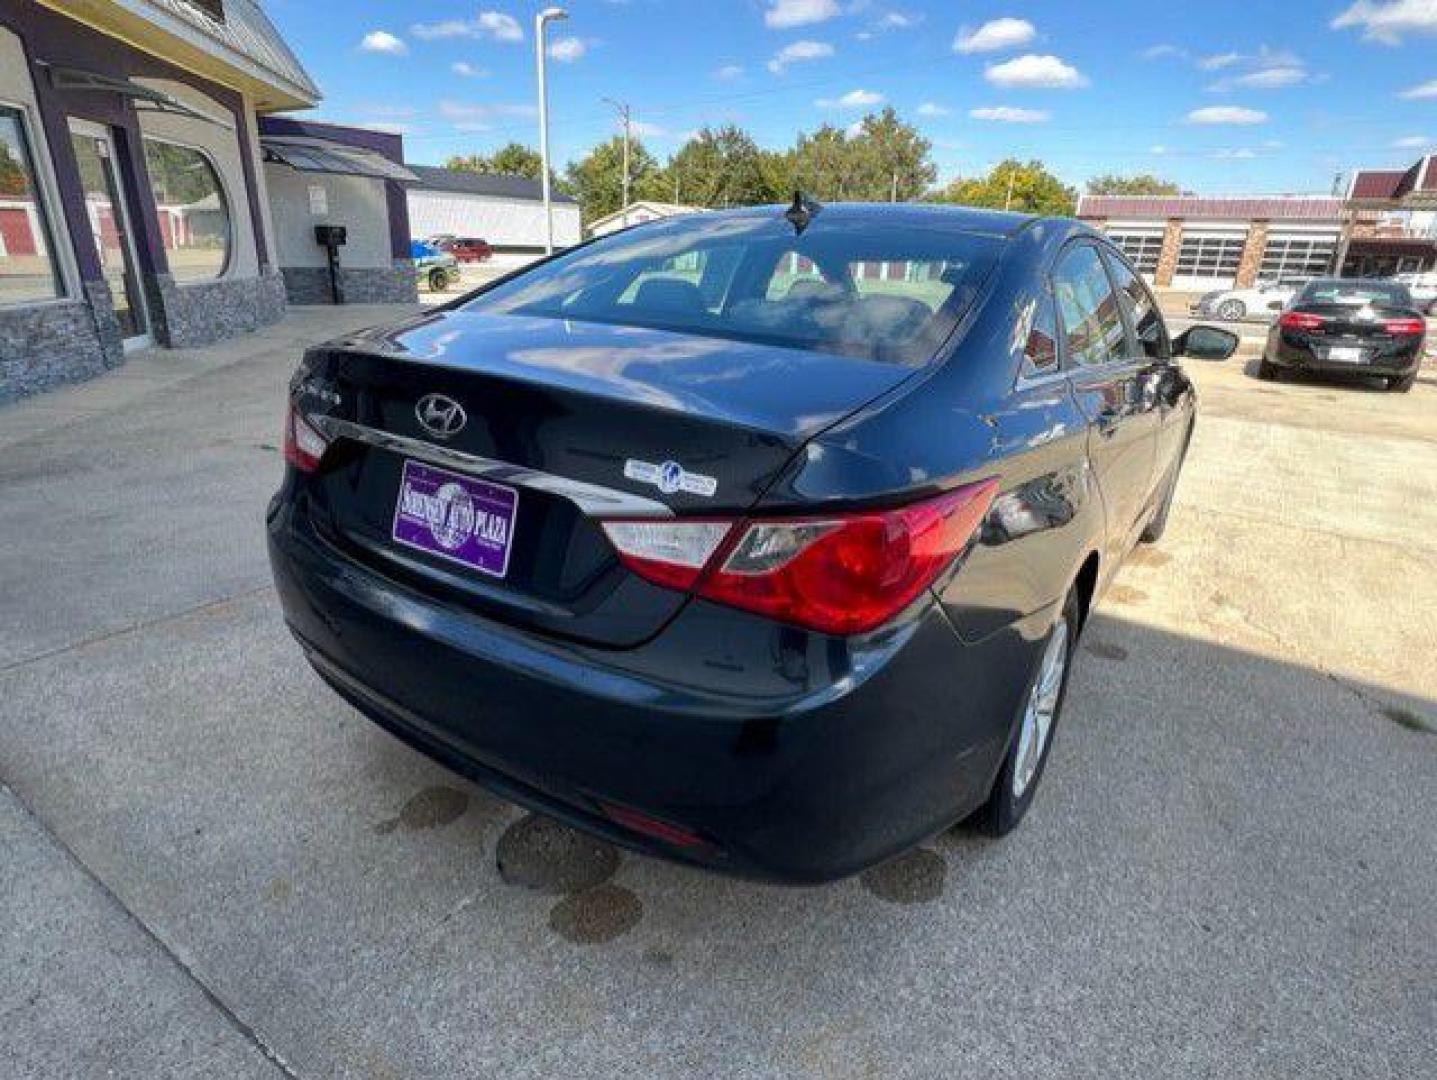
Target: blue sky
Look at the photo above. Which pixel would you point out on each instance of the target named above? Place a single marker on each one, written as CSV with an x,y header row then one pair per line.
x,y
1221,95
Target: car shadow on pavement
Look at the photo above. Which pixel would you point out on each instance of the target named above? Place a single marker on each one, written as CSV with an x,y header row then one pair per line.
x,y
1225,848
1373,384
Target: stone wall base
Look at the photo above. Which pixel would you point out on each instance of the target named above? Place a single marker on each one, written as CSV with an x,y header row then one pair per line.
x,y
395,284
204,312
47,345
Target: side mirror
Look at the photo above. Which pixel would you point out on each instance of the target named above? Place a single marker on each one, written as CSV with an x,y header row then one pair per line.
x,y
1205,343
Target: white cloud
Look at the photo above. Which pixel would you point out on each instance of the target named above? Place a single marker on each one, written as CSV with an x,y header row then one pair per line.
x,y
567,49
1271,78
1008,115
1159,52
1240,153
898,20
1227,114
1412,142
499,26
493,25
782,14
799,52
932,108
729,72
1388,22
1035,72
1218,61
1157,150
995,35
467,116
854,129
382,41
646,130
1425,90
854,99
466,70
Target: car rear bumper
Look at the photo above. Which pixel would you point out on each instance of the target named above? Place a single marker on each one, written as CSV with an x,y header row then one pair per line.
x,y
794,756
1381,363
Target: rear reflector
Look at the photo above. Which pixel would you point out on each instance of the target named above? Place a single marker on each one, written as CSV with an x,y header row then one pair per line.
x,y
840,574
1300,320
1405,326
640,822
303,445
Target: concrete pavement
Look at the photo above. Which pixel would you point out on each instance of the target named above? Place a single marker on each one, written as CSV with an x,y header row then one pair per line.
x,y
1229,871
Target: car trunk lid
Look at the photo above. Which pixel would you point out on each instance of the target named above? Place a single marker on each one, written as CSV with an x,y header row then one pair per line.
x,y
564,422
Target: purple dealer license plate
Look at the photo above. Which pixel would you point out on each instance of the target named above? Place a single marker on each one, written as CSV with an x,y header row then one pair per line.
x,y
456,517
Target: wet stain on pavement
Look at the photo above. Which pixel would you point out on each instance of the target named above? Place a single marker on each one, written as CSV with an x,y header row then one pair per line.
x,y
279,890
1126,594
431,808
541,854
1106,650
596,915
912,878
1408,719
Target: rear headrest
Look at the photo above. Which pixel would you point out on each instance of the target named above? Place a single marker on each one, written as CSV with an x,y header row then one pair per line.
x,y
812,288
669,294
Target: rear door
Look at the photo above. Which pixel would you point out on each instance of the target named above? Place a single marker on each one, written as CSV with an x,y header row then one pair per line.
x,y
1114,388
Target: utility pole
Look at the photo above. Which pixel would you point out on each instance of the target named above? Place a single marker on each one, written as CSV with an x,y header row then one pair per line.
x,y
1008,201
625,117
893,194
545,17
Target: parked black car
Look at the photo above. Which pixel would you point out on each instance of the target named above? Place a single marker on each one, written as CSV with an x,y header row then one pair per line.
x,y
1354,328
759,540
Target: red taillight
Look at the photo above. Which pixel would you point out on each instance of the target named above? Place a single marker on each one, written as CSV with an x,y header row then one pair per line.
x,y
303,445
1404,326
841,574
1300,320
666,831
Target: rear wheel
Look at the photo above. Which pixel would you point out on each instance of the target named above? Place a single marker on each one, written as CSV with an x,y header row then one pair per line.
x,y
1022,769
1231,310
438,281
1402,383
1268,371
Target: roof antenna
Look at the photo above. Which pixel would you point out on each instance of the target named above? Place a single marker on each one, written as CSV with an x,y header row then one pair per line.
x,y
801,212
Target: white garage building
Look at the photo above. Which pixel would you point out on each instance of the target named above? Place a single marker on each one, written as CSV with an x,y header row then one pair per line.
x,y
507,211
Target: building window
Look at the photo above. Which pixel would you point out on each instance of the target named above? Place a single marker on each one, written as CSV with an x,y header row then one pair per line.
x,y
1210,255
1142,247
1299,255
193,213
28,270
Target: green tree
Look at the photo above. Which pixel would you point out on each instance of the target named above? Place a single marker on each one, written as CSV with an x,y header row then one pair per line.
x,y
890,159
879,159
719,167
1013,185
511,159
1141,184
13,180
596,179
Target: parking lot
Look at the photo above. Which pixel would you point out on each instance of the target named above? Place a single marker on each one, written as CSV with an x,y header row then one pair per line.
x,y
211,866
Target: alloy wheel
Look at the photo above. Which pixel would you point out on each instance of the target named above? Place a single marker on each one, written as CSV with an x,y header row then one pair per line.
x,y
1041,709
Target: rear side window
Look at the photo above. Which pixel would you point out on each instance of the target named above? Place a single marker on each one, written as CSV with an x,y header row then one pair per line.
x,y
889,290
1141,310
1039,330
1092,325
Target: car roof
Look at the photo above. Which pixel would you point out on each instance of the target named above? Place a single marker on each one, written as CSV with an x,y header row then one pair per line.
x,y
942,216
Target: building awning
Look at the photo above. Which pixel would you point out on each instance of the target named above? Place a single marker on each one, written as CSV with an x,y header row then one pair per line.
x,y
143,97
309,154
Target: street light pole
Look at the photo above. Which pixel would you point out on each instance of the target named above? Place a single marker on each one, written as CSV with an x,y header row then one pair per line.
x,y
624,115
541,20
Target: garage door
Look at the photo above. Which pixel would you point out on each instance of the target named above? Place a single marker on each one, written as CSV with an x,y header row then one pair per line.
x,y
1209,258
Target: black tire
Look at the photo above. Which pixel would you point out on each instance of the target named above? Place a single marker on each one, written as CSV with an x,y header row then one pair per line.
x,y
438,281
1403,384
1231,310
1267,371
1004,809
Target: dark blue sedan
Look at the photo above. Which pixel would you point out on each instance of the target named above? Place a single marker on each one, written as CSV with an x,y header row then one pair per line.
x,y
759,539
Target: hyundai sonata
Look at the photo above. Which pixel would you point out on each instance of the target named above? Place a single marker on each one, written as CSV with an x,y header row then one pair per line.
x,y
759,539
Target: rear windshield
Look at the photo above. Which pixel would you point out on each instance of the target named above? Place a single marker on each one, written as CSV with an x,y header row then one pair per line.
x,y
1384,293
858,288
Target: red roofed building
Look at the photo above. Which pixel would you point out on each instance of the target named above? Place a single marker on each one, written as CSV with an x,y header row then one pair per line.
x,y
1386,223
